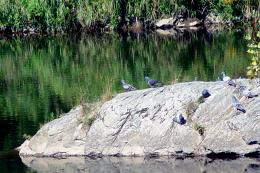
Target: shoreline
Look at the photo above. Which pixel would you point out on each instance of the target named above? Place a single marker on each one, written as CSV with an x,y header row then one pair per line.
x,y
138,26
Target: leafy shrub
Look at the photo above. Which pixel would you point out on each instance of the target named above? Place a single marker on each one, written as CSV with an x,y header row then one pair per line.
x,y
53,13
253,37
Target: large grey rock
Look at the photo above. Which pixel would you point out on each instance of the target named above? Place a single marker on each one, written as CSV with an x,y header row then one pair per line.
x,y
179,23
141,165
65,135
167,23
189,22
140,123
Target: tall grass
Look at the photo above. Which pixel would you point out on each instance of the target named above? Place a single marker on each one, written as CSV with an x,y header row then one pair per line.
x,y
63,13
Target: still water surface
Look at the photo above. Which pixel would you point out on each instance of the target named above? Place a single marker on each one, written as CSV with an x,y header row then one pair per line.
x,y
41,77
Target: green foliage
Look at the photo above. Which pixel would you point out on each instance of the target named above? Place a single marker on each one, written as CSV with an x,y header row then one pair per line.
x,y
37,13
200,100
89,111
13,13
199,128
253,70
53,13
95,10
90,120
150,9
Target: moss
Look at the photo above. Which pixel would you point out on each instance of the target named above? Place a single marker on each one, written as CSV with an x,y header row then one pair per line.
x,y
200,100
191,109
199,128
90,120
49,13
27,137
89,111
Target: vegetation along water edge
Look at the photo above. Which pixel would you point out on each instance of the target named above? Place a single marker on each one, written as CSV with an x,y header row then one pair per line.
x,y
52,16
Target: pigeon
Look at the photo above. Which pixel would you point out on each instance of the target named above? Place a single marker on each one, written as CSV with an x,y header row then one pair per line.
x,y
205,93
127,87
246,92
237,105
152,82
179,119
231,83
228,80
225,78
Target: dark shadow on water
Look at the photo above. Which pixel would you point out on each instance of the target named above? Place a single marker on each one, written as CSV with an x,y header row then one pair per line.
x,y
11,162
141,165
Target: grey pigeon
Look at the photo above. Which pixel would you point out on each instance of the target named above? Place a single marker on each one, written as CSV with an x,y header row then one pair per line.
x,y
224,77
127,87
237,105
205,93
152,82
228,80
231,83
246,92
179,119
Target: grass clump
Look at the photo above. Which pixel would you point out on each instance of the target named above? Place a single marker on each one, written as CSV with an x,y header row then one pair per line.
x,y
27,137
191,109
199,128
66,13
90,120
193,106
89,111
200,100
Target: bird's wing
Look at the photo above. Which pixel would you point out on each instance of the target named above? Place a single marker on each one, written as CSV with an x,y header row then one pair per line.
x,y
153,82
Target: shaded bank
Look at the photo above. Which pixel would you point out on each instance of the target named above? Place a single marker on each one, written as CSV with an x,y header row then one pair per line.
x,y
51,16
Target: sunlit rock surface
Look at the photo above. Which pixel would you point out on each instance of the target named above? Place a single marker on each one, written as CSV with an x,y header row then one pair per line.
x,y
141,165
140,123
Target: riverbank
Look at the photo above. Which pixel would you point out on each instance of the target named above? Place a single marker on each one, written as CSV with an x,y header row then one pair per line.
x,y
49,17
140,123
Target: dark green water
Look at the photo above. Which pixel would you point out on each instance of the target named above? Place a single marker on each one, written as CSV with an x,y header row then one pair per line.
x,y
42,77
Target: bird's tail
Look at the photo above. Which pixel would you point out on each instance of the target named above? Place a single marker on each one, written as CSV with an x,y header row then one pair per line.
x,y
159,84
253,95
241,110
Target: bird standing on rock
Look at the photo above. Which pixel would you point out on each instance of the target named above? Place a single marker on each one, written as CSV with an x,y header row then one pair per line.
x,y
205,93
152,82
228,80
237,105
246,92
179,119
127,87
224,77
